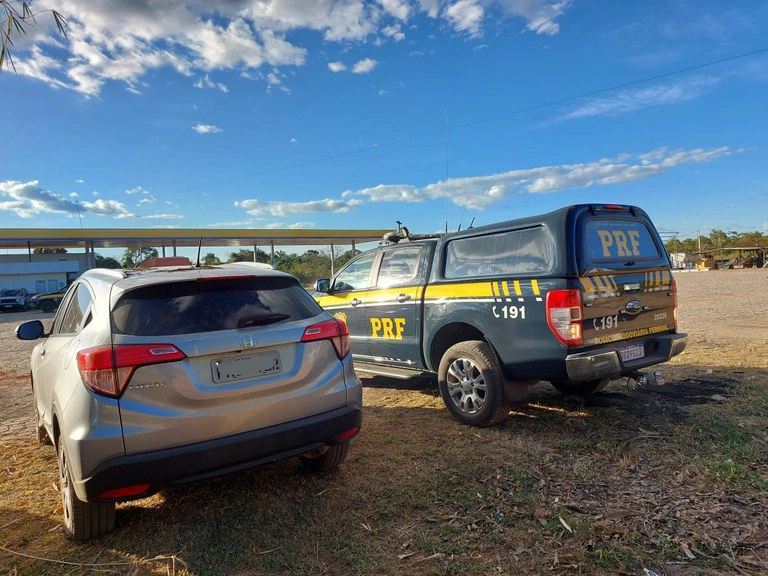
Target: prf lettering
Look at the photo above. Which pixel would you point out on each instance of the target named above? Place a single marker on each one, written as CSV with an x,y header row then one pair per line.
x,y
619,241
391,328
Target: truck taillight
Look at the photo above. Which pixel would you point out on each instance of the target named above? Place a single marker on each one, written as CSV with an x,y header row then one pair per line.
x,y
674,301
564,316
108,369
334,330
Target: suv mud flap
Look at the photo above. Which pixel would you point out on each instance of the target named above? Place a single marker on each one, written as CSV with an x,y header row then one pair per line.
x,y
597,364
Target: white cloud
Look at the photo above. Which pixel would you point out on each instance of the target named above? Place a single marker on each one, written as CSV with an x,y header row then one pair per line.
x,y
163,217
206,129
397,8
466,16
393,32
206,82
337,66
364,66
28,199
293,141
79,181
283,209
301,225
108,208
137,190
482,191
479,192
627,101
109,41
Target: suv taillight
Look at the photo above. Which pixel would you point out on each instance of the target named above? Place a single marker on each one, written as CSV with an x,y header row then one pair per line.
x,y
564,316
334,330
107,369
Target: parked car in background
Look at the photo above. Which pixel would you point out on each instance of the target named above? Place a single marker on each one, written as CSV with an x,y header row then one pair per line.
x,y
152,377
14,299
47,302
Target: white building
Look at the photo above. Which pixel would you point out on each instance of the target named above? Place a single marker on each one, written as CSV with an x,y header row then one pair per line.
x,y
44,273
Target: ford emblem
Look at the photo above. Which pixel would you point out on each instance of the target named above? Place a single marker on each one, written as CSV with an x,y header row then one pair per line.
x,y
633,306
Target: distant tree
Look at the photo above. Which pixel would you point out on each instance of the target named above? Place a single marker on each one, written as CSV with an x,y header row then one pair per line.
x,y
346,257
244,255
18,18
133,256
211,259
49,251
102,262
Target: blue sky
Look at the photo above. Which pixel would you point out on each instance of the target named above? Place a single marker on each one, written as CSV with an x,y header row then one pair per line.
x,y
352,114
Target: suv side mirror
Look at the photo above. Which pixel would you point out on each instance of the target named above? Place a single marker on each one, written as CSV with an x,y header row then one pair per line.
x,y
322,285
31,330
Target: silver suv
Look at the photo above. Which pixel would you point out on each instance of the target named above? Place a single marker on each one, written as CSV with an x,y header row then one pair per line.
x,y
149,378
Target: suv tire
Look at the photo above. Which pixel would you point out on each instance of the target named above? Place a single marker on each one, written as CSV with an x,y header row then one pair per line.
x,y
47,306
472,384
82,520
574,388
328,460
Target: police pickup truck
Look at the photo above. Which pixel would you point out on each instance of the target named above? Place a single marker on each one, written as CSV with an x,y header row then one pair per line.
x,y
578,297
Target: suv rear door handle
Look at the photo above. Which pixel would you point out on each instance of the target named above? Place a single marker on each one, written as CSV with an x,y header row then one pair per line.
x,y
403,297
354,302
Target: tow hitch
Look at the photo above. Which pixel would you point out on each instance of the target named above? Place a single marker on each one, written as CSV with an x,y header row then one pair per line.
x,y
637,379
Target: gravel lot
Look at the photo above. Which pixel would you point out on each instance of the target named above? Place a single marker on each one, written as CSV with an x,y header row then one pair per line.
x,y
722,311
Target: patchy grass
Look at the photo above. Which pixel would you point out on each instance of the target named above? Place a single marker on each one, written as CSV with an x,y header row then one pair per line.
x,y
673,478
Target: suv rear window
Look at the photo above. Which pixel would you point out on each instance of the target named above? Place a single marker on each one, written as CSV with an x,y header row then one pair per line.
x,y
211,305
527,251
619,240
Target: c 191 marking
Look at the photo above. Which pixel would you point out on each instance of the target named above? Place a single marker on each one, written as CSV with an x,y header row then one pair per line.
x,y
510,312
606,322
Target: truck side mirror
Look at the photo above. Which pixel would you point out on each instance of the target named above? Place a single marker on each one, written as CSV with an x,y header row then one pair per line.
x,y
322,285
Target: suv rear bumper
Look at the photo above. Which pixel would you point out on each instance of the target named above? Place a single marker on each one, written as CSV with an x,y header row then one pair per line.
x,y
606,363
215,457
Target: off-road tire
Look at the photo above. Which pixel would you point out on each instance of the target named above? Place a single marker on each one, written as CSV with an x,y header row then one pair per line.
x,y
586,388
47,306
82,520
471,383
328,460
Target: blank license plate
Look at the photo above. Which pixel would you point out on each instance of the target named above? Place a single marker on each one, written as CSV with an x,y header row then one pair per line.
x,y
246,366
632,352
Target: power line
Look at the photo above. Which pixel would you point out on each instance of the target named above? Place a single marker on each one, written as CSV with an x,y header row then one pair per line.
x,y
505,115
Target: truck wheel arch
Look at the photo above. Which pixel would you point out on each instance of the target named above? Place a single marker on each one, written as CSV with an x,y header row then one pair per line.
x,y
448,335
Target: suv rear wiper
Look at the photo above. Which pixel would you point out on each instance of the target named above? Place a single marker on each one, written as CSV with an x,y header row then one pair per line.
x,y
260,320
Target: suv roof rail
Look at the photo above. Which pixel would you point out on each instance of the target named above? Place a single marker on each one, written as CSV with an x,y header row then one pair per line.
x,y
108,273
247,264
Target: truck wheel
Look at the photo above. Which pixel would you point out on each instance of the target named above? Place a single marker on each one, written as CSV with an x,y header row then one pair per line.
x,y
586,388
47,306
328,460
472,384
82,520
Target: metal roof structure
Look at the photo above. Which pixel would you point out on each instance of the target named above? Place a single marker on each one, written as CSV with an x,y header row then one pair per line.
x,y
31,238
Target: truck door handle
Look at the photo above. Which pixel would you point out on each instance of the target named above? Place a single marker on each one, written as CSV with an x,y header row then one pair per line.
x,y
403,298
354,302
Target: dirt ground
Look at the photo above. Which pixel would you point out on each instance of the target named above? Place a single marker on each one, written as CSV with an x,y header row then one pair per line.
x,y
672,478
718,309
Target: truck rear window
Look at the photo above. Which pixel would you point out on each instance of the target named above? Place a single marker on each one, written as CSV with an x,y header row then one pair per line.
x,y
526,251
619,240
211,305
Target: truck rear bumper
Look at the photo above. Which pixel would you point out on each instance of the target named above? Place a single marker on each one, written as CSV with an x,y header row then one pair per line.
x,y
607,363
